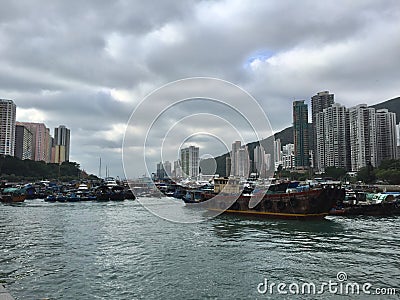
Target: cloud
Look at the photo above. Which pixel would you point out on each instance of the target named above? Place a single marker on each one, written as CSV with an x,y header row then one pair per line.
x,y
88,65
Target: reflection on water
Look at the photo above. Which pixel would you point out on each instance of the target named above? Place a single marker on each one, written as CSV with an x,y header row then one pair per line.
x,y
122,251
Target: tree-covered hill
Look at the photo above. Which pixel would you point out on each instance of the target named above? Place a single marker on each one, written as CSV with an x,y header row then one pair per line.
x,y
12,168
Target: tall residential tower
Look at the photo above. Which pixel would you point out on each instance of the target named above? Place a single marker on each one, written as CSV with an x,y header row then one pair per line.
x,y
363,146
319,102
61,144
386,135
42,141
332,132
301,135
190,161
7,127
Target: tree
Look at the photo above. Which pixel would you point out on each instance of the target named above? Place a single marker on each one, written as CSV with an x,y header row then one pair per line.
x,y
366,174
389,171
335,173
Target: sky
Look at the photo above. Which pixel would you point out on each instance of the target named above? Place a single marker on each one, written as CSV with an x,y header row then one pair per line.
x,y
92,65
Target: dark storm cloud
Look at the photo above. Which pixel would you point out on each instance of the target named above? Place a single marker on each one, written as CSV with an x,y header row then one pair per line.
x,y
88,64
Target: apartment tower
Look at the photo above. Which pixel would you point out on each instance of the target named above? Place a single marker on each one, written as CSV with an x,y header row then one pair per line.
x,y
7,127
301,135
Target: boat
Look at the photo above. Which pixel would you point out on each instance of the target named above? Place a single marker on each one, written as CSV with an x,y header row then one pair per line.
x,y
194,196
73,197
51,198
110,182
283,200
60,197
117,193
369,204
13,195
103,193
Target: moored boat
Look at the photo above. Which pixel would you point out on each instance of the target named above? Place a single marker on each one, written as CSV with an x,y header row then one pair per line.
x,y
51,198
285,200
117,193
13,195
367,204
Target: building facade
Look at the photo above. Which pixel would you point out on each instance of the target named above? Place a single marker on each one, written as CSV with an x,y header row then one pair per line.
x,y
61,143
386,135
332,138
7,127
301,136
177,169
319,102
277,153
398,139
190,161
42,141
363,145
261,161
23,143
235,158
164,170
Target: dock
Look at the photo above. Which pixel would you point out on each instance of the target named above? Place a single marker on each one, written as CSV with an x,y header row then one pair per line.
x,y
4,295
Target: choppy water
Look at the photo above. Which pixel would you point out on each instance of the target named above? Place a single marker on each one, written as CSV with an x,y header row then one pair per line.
x,y
121,251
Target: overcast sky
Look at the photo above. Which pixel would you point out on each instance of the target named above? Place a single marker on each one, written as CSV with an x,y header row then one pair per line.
x,y
88,64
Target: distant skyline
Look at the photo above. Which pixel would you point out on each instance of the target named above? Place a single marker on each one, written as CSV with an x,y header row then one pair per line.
x,y
88,65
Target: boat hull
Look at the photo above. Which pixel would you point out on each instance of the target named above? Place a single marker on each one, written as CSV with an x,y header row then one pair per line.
x,y
379,209
12,198
310,204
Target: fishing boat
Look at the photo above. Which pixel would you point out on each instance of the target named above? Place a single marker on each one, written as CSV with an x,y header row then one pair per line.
x,y
117,193
284,200
51,198
369,204
60,197
103,193
13,195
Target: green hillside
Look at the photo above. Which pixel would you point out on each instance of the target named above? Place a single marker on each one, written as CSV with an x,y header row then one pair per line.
x,y
14,169
392,105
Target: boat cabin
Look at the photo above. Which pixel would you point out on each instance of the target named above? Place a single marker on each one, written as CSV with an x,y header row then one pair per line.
x,y
226,185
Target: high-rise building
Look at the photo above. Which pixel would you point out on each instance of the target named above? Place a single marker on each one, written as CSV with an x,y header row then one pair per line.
x,y
386,135
61,144
7,127
161,174
363,146
168,168
177,169
301,136
277,153
41,140
190,161
164,170
261,161
319,102
243,162
398,140
332,130
23,143
234,158
288,156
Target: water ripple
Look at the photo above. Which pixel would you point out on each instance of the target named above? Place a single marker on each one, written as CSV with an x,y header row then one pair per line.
x,y
121,251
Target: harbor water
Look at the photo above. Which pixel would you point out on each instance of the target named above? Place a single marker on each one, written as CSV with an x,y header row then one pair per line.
x,y
119,250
